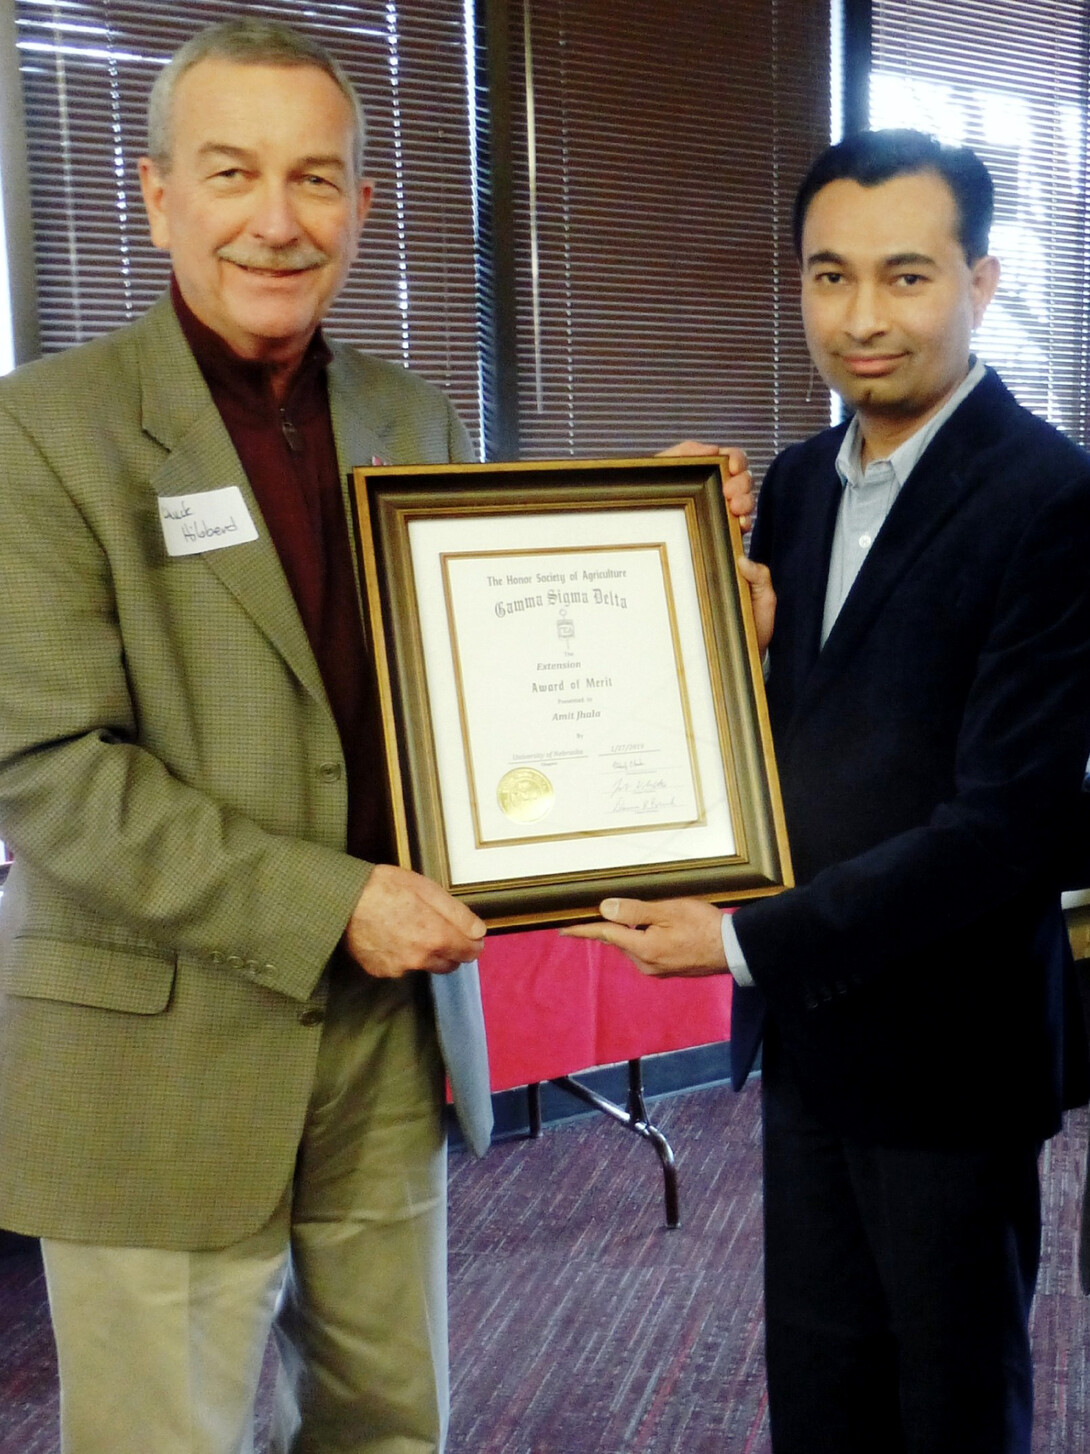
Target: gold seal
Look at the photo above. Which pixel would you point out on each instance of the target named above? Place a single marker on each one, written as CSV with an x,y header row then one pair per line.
x,y
524,794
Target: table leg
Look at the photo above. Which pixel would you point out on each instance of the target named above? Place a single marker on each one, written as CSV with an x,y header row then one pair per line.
x,y
533,1109
636,1119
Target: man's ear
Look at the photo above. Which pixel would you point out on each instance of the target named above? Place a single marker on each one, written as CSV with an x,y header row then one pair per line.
x,y
985,280
365,192
153,185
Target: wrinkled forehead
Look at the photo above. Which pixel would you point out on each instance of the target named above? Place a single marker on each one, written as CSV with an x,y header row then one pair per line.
x,y
254,105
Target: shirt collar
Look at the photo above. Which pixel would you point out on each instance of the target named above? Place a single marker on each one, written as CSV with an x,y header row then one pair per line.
x,y
242,380
906,456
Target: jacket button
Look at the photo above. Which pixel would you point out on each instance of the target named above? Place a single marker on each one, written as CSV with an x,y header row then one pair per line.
x,y
234,961
330,772
312,1015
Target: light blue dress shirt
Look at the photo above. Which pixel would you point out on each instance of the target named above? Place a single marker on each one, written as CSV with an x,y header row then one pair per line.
x,y
866,498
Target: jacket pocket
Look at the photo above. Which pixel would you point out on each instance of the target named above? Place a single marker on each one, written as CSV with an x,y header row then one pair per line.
x,y
103,976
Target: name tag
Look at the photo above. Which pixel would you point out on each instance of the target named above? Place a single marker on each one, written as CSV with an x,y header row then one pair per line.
x,y
208,520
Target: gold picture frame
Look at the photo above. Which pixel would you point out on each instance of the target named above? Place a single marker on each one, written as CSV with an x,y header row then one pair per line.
x,y
571,696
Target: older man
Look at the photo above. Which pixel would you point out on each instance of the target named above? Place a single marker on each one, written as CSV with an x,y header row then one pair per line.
x,y
929,688
212,1045
220,1066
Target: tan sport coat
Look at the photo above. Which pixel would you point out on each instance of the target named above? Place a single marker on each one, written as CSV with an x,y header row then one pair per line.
x,y
172,783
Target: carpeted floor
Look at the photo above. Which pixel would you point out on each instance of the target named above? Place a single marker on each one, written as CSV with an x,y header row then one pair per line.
x,y
581,1325
602,1329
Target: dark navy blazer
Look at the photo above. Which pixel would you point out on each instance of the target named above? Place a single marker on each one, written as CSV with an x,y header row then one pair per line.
x,y
930,755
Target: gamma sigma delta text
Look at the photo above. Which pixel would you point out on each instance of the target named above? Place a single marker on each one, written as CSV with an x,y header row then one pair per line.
x,y
594,597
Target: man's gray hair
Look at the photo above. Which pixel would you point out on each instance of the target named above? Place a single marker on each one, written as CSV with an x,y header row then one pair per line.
x,y
247,42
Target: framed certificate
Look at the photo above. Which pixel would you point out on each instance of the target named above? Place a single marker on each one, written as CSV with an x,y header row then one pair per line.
x,y
572,702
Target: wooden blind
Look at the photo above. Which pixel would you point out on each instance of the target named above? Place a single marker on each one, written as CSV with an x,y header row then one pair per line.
x,y
87,67
658,147
1011,82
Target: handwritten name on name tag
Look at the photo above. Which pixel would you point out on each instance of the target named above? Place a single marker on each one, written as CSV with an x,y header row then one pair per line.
x,y
207,520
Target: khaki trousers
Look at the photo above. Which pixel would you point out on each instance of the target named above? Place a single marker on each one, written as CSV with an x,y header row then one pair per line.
x,y
160,1351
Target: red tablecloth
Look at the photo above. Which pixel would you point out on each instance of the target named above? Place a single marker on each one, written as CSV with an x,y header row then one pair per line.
x,y
554,1006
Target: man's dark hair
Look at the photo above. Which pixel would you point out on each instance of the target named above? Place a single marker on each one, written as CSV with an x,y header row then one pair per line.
x,y
872,157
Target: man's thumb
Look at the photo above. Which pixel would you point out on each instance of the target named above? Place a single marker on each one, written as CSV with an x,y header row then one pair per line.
x,y
624,911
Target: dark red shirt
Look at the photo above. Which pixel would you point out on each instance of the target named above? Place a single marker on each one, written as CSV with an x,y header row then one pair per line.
x,y
290,459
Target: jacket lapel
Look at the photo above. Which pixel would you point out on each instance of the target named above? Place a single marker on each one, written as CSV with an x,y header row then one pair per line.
x,y
818,508
178,411
935,491
813,508
360,438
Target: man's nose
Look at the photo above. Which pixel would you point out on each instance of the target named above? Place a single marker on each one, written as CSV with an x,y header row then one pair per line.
x,y
866,315
274,219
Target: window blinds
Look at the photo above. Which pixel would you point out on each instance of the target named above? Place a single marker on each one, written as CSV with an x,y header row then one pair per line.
x,y
1010,81
657,150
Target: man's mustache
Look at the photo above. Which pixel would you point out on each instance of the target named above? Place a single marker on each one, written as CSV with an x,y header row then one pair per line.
x,y
295,257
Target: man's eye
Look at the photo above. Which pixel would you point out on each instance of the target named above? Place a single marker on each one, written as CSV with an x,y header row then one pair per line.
x,y
911,280
317,183
829,277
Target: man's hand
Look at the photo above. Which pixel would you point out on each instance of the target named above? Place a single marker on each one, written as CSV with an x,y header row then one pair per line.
x,y
403,922
763,597
738,485
673,937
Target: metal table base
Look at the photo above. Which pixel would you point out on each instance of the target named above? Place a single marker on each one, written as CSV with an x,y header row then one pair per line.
x,y
633,1115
